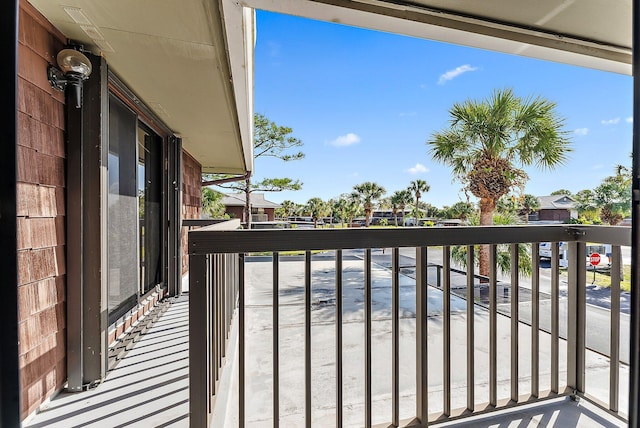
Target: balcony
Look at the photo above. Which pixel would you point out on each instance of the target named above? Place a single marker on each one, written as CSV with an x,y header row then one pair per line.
x,y
349,336
367,337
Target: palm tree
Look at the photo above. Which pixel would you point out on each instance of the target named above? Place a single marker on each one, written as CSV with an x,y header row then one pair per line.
x,y
368,192
398,202
288,208
529,204
488,142
317,209
417,188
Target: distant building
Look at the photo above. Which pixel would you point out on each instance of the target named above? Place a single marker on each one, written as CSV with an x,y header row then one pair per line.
x,y
261,209
555,208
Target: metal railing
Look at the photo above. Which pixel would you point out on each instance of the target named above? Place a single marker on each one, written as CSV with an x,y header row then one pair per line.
x,y
217,275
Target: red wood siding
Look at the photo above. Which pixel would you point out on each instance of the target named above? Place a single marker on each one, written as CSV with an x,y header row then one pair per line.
x,y
191,198
41,213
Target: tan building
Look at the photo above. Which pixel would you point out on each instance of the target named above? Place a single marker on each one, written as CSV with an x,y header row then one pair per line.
x,y
261,209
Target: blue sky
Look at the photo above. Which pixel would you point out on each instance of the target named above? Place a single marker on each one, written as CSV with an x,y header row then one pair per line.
x,y
365,102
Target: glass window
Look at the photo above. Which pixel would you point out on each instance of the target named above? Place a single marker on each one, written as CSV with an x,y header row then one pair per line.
x,y
122,213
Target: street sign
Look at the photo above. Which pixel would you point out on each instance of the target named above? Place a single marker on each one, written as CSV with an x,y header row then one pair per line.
x,y
594,259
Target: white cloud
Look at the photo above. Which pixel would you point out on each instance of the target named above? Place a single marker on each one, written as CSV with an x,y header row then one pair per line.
x,y
629,119
610,121
405,114
581,131
345,140
418,169
452,74
597,166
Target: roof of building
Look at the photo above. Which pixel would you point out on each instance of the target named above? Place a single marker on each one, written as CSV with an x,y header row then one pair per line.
x,y
557,202
238,200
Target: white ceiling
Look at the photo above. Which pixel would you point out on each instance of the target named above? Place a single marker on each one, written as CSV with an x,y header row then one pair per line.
x,y
191,61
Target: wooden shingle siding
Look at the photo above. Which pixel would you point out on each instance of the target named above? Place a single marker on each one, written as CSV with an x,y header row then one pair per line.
x,y
191,199
41,214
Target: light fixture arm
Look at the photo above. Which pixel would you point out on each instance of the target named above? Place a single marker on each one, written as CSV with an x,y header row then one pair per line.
x,y
76,68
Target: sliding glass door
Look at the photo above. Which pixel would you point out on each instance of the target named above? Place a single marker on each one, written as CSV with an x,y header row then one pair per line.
x,y
134,216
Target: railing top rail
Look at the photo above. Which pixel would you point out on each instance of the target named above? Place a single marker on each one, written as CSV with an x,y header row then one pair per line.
x,y
230,240
201,222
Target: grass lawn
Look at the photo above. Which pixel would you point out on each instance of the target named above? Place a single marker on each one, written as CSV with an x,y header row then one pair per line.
x,y
604,279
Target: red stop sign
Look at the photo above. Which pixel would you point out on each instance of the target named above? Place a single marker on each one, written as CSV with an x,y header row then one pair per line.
x,y
594,259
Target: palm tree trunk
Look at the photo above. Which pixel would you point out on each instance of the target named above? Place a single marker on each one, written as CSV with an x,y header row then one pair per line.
x,y
487,207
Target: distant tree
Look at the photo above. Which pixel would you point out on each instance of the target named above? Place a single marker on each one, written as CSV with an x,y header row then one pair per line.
x,y
507,204
269,140
613,196
488,143
399,201
417,188
561,192
288,208
461,210
528,204
368,193
586,201
211,203
317,209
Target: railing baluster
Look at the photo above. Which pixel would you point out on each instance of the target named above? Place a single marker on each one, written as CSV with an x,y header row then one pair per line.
x,y
199,338
614,362
446,329
339,400
395,336
576,316
241,341
535,319
493,326
307,338
422,380
276,339
515,323
367,337
470,328
216,316
555,317
213,320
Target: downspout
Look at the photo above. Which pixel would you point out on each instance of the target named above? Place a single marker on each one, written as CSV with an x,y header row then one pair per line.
x,y
10,390
634,358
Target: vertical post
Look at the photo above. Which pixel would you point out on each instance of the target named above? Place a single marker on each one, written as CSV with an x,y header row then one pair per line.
x,y
395,337
241,340
276,340
555,317
634,355
493,326
576,315
367,337
339,404
535,319
470,328
307,339
515,323
198,342
422,383
9,365
614,361
87,148
446,329
175,223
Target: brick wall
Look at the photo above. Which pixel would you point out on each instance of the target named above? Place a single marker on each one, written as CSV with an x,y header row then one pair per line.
x,y
191,198
41,213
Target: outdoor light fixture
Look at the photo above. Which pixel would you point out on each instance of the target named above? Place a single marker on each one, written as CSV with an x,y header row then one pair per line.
x,y
74,68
